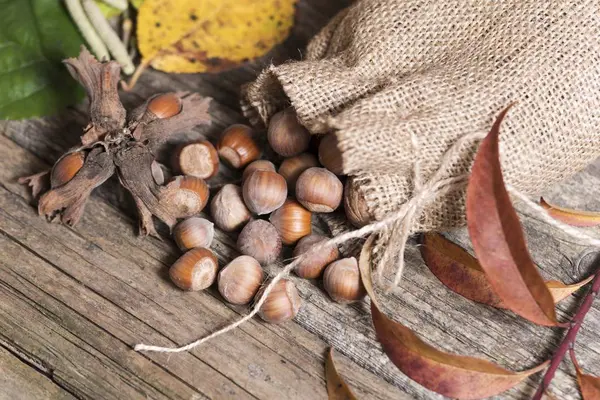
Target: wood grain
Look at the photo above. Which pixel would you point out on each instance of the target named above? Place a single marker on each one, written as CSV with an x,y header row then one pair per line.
x,y
74,301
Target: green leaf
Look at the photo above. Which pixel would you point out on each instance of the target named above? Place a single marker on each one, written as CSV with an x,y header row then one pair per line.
x,y
107,10
136,3
35,36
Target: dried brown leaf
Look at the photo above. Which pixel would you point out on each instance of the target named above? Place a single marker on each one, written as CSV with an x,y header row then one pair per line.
x,y
337,389
447,374
462,274
498,238
570,216
589,385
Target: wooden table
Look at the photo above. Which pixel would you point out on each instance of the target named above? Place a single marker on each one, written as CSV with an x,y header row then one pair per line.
x,y
74,301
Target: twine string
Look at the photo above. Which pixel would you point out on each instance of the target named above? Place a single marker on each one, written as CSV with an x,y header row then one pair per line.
x,y
400,224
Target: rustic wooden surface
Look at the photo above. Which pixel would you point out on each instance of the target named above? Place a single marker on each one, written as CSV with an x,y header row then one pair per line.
x,y
74,301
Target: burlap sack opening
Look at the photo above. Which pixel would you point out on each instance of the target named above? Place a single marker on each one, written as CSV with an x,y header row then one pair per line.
x,y
385,69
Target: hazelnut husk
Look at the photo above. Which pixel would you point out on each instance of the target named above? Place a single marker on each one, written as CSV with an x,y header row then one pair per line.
x,y
239,281
228,208
292,167
264,191
314,261
66,168
286,135
164,105
355,205
260,239
330,155
292,221
237,146
258,165
195,270
319,190
342,281
282,304
199,159
193,232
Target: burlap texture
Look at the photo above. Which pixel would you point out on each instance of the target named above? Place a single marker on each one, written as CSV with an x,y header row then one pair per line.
x,y
439,69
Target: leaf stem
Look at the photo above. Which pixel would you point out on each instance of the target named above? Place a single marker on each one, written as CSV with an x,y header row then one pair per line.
x,y
569,339
109,36
87,30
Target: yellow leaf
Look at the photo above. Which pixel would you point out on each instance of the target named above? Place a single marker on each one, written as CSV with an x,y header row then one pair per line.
x,y
210,35
136,3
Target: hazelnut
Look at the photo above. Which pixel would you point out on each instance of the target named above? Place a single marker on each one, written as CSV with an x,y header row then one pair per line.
x,y
264,191
282,303
314,261
160,173
319,190
330,155
199,159
186,199
237,147
260,240
164,105
193,232
228,209
342,281
292,221
195,270
239,281
355,204
285,134
258,165
66,168
291,168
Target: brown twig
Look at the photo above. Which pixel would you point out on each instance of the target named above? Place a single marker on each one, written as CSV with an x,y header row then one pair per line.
x,y
569,339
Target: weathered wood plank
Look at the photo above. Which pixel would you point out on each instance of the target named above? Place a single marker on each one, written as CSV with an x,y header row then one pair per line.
x,y
86,253
107,288
19,381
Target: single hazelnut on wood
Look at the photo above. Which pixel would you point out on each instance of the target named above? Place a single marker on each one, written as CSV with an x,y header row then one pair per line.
x,y
292,167
188,199
315,259
258,165
292,221
342,281
355,204
330,155
239,281
228,208
285,134
199,159
282,303
193,232
66,168
195,270
260,239
264,191
165,105
237,147
319,190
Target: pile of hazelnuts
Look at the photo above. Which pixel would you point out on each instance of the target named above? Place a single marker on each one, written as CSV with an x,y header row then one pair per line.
x,y
272,208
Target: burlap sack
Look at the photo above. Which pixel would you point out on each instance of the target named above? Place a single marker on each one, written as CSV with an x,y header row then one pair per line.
x,y
438,69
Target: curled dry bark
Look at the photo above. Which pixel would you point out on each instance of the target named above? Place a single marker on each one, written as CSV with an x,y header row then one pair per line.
x,y
116,143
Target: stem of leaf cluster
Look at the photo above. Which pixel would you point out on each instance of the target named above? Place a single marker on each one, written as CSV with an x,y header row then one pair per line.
x,y
569,339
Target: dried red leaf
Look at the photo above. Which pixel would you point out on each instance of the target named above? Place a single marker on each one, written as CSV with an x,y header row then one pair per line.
x,y
462,274
337,389
498,238
447,374
572,217
588,384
